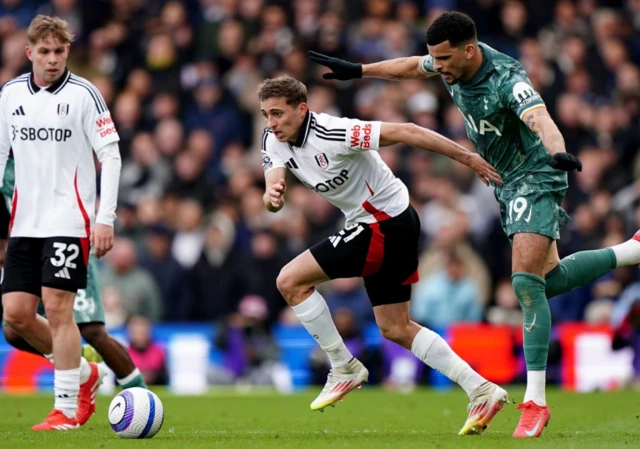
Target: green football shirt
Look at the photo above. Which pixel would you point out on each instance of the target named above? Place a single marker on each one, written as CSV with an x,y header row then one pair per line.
x,y
493,103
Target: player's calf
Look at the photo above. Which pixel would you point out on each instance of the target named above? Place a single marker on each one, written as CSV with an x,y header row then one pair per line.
x,y
400,333
17,341
67,350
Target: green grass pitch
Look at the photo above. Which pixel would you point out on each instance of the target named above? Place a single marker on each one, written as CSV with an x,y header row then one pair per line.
x,y
367,419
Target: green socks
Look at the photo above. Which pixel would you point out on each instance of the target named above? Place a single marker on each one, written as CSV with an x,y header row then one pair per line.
x,y
579,269
132,380
530,290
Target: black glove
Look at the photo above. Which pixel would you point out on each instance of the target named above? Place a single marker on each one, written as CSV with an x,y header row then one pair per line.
x,y
565,162
341,70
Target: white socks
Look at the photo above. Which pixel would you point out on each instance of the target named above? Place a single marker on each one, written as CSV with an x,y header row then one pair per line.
x,y
627,253
85,369
436,353
66,385
536,381
314,314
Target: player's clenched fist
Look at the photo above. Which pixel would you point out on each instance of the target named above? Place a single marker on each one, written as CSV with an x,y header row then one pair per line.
x,y
276,194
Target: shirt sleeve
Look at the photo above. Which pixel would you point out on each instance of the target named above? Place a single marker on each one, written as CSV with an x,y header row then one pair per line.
x,y
518,94
361,135
270,158
426,64
109,156
98,125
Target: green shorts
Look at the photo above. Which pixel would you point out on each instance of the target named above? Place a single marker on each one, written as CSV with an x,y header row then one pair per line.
x,y
533,204
88,303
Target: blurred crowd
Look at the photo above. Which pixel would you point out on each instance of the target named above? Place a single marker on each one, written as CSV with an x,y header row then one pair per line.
x,y
194,240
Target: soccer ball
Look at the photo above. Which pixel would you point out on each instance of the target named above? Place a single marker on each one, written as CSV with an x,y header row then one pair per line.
x,y
136,413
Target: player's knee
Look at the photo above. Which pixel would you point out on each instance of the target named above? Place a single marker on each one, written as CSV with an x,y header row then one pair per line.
x,y
18,318
525,286
58,311
519,285
287,283
95,334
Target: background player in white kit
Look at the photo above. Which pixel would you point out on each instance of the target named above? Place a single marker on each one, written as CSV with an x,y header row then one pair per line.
x,y
337,158
52,119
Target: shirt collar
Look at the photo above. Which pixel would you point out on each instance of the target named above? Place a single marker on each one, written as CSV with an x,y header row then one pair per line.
x,y
304,131
54,88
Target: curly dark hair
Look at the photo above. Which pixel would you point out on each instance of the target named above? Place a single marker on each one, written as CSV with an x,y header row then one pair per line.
x,y
455,27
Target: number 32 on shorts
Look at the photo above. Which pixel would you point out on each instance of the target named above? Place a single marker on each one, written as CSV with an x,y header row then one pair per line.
x,y
517,209
61,258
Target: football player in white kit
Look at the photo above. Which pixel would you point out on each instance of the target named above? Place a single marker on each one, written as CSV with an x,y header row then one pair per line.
x,y
338,159
54,121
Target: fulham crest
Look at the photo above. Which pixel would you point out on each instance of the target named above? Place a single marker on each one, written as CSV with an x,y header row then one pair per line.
x,y
63,109
322,161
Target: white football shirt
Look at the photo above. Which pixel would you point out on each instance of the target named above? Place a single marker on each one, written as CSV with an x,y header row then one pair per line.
x,y
331,157
52,132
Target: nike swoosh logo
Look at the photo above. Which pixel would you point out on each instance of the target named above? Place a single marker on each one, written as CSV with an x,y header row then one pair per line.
x,y
116,406
532,323
529,216
533,431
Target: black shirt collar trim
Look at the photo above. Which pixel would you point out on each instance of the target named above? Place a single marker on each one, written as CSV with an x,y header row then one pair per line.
x,y
54,88
304,131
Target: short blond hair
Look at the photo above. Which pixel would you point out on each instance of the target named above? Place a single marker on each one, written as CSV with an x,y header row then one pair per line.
x,y
43,26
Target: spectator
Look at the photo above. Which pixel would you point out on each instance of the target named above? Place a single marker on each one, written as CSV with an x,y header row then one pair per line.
x,y
140,293
169,275
146,354
447,296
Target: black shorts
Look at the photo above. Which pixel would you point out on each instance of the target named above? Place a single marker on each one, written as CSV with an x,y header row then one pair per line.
x,y
55,262
384,253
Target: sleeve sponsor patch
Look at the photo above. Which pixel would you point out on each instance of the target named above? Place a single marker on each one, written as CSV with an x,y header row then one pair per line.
x,y
524,93
266,162
105,126
360,136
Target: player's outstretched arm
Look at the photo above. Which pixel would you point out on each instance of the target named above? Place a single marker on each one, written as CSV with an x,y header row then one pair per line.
x,y
540,122
275,186
425,139
400,68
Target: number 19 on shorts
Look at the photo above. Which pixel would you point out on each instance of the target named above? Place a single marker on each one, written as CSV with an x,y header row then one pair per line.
x,y
517,209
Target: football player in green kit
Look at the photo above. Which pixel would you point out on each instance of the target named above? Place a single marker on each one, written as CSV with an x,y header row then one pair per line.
x,y
88,314
511,128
